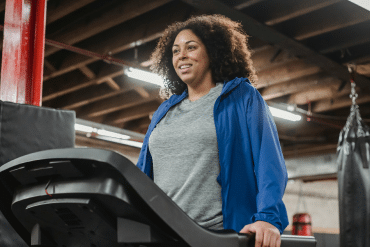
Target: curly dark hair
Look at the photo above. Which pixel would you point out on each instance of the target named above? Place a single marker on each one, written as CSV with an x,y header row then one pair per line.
x,y
230,56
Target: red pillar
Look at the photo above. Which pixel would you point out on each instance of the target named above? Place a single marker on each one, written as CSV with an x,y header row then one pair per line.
x,y
23,51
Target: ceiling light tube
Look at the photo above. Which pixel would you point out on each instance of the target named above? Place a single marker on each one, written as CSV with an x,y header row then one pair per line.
x,y
284,114
362,3
144,76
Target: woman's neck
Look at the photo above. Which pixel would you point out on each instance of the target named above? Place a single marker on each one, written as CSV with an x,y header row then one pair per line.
x,y
200,89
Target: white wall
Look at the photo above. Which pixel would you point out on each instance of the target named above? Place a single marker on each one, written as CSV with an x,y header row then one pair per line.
x,y
320,197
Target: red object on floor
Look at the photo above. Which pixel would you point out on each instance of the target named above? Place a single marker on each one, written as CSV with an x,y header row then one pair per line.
x,y
302,224
23,51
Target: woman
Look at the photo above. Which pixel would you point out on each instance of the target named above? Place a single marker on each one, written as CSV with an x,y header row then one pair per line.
x,y
213,146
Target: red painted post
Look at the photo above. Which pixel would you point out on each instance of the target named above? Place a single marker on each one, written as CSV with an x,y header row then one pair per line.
x,y
23,51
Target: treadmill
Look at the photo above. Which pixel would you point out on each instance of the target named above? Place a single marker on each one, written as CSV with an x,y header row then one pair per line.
x,y
85,197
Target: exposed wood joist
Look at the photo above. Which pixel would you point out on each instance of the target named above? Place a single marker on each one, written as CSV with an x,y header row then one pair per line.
x,y
125,38
132,113
76,80
87,96
285,72
344,101
272,36
125,11
115,103
269,57
63,8
297,85
324,20
111,83
319,92
88,72
280,11
341,39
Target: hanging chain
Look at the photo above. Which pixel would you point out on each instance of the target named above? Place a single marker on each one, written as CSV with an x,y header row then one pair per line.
x,y
355,112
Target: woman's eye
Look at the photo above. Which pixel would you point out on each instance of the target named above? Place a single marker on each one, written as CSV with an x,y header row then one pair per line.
x,y
191,47
175,51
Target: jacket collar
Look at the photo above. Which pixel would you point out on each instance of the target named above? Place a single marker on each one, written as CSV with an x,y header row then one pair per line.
x,y
228,86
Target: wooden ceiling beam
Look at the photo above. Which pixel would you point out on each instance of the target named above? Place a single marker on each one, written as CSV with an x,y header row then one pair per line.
x,y
82,30
297,85
136,112
270,57
123,37
285,72
62,8
74,81
88,72
87,96
319,92
343,39
297,9
115,103
338,103
111,83
325,20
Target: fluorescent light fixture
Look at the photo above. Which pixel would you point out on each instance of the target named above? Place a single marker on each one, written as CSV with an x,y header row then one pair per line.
x,y
121,141
144,76
83,128
284,114
112,134
362,3
108,135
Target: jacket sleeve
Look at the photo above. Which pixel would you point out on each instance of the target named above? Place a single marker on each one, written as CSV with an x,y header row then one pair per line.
x,y
269,164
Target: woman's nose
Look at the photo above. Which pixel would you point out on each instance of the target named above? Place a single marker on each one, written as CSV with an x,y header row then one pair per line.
x,y
183,54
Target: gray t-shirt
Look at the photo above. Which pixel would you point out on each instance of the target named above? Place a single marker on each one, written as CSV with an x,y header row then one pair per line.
x,y
184,150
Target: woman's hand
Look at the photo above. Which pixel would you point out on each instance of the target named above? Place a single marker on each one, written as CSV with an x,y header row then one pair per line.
x,y
267,235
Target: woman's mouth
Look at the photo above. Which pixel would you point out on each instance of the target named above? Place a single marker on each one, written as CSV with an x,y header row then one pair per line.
x,y
184,68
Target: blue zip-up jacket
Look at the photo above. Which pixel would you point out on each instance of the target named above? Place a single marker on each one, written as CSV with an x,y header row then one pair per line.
x,y
252,175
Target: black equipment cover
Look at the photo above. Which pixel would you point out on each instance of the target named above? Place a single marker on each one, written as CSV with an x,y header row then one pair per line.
x,y
26,129
353,159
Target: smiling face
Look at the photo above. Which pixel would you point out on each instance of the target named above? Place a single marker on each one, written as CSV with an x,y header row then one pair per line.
x,y
190,59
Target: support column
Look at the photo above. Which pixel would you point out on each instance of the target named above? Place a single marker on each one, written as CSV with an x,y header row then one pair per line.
x,y
23,51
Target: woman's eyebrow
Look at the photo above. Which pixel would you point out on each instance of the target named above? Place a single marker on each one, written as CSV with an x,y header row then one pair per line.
x,y
186,42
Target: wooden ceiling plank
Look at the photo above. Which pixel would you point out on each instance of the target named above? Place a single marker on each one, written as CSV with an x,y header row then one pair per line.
x,y
324,21
338,103
319,92
88,72
284,73
346,41
111,83
75,81
82,30
272,36
298,9
114,103
49,66
247,4
123,38
143,93
297,85
63,8
132,113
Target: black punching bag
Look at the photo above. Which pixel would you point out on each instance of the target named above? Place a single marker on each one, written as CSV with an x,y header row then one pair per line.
x,y
353,159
